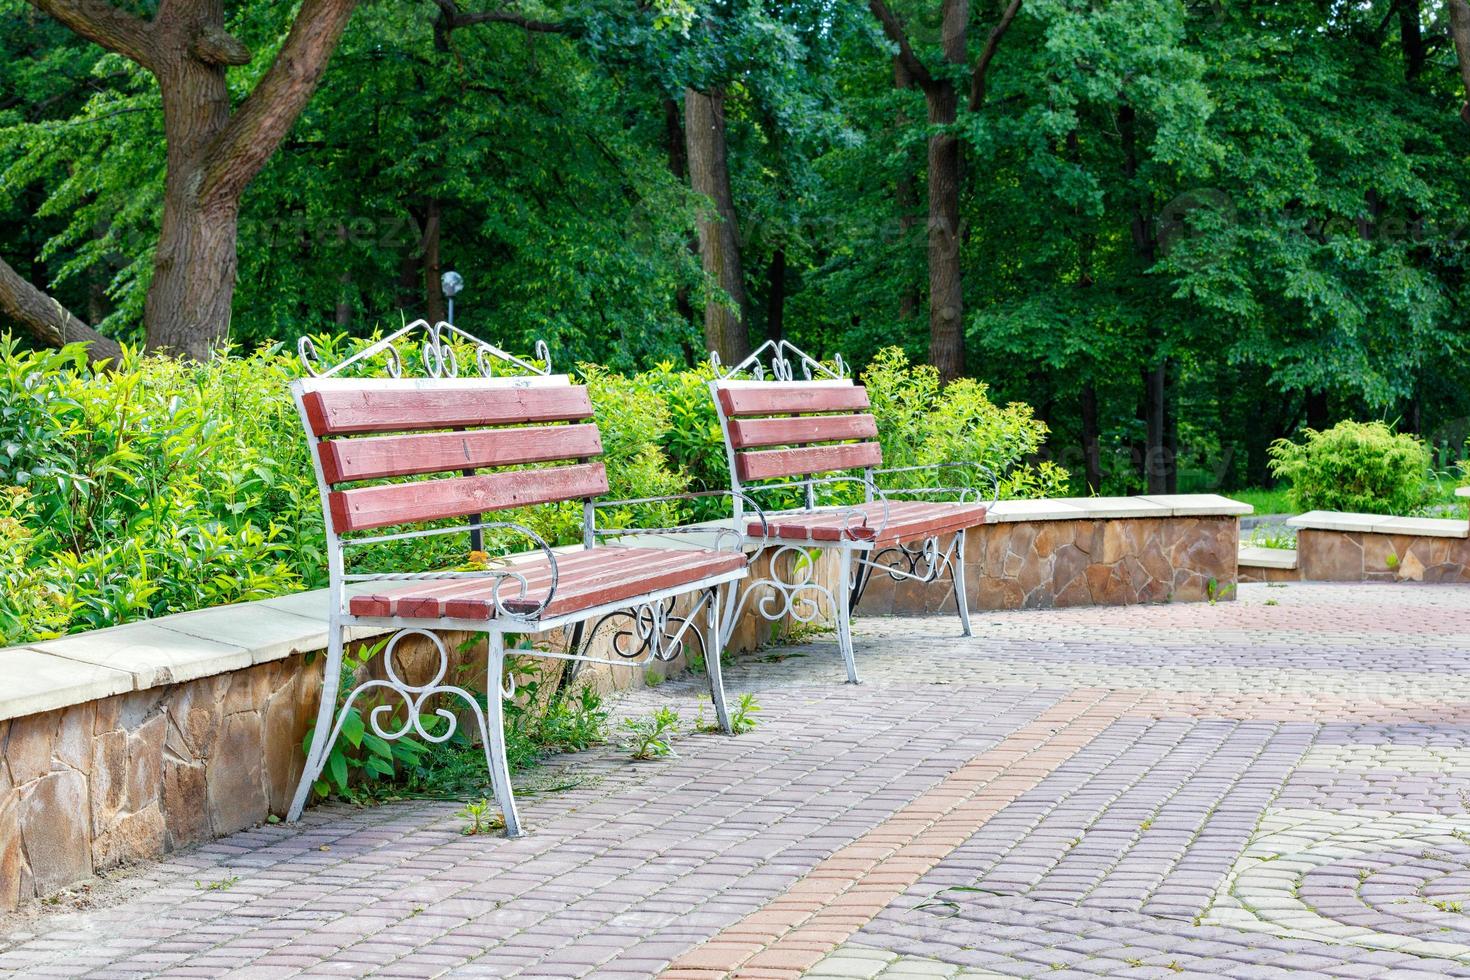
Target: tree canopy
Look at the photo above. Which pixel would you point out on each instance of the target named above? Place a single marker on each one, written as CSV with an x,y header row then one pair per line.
x,y
1179,228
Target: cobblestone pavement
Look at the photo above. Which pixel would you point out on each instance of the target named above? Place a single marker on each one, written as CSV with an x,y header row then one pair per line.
x,y
1274,786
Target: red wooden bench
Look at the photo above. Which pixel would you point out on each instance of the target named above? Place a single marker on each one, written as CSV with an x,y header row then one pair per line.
x,y
783,434
402,458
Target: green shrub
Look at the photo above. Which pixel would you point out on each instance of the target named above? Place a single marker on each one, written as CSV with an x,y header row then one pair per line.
x,y
921,420
1362,467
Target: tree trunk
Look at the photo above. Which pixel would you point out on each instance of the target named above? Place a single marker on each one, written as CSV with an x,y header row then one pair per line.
x,y
946,288
212,152
187,310
776,295
1158,452
45,319
719,240
1091,439
1411,38
434,303
907,197
1460,31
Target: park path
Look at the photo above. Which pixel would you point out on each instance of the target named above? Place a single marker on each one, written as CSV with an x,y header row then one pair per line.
x,y
1274,786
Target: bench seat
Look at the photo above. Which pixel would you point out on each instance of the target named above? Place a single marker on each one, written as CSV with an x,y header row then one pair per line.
x,y
908,520
585,580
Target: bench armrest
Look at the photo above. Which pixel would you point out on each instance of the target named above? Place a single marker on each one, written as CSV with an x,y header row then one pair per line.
x,y
962,493
499,575
722,534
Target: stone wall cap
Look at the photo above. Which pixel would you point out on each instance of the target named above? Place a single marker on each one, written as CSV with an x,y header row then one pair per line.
x,y
1253,557
151,653
1104,508
1201,504
1429,527
37,682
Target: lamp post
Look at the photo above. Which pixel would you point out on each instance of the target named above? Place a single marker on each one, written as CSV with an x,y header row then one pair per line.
x,y
451,283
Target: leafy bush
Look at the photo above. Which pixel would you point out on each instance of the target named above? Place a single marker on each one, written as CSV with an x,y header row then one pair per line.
x,y
1362,467
153,488
922,421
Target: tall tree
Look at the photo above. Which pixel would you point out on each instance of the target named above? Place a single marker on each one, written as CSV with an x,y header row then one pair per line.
x,y
941,88
214,150
1460,33
725,329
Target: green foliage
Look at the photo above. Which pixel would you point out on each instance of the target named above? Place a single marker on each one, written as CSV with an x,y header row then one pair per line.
x,y
923,421
652,737
743,719
1357,467
156,486
481,817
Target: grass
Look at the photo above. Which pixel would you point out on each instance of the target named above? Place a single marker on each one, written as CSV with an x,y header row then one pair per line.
x,y
1266,500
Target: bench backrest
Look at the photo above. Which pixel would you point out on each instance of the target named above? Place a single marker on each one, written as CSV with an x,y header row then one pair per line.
x,y
784,429
488,444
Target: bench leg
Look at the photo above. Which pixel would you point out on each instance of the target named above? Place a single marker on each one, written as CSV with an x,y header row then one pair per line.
x,y
495,734
843,602
957,571
714,652
321,739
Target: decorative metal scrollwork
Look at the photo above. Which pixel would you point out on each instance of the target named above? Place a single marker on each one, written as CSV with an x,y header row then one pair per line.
x,y
796,596
437,353
412,698
650,631
780,353
925,563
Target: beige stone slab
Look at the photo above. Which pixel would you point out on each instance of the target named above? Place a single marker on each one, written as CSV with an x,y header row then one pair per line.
x,y
152,654
268,633
1425,527
1102,508
1267,557
1462,491
1200,504
1331,520
32,682
1054,509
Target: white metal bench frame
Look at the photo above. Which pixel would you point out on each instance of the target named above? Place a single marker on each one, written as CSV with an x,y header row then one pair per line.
x,y
797,595
658,634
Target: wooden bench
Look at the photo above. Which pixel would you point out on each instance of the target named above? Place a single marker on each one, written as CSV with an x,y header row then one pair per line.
x,y
401,459
789,434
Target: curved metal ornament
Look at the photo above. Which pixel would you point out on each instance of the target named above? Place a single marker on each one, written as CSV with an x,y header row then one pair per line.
x,y
437,354
923,564
650,631
411,698
780,354
796,596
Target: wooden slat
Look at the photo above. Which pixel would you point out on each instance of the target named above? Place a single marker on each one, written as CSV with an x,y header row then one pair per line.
x,y
534,567
691,567
770,464
586,579
907,521
791,398
376,457
379,408
748,433
363,508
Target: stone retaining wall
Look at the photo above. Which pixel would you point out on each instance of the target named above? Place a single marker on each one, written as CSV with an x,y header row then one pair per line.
x,y
1046,564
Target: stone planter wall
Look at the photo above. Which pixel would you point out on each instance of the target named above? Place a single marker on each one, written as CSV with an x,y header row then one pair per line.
x,y
1340,547
1046,564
